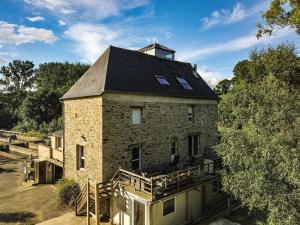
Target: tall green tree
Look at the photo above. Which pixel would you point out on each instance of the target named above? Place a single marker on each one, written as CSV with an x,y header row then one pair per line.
x,y
223,87
260,144
42,109
16,79
282,61
281,13
17,76
59,77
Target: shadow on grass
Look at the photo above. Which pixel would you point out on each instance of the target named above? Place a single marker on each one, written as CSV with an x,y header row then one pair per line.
x,y
16,217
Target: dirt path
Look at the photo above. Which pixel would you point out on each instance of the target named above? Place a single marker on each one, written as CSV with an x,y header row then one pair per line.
x,y
24,205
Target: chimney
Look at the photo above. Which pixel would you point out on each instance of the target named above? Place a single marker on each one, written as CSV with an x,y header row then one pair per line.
x,y
158,50
195,67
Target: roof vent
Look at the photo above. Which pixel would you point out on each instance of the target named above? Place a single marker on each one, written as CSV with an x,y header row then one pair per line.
x,y
159,51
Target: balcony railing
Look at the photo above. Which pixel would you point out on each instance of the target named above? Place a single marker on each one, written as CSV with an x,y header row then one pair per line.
x,y
159,186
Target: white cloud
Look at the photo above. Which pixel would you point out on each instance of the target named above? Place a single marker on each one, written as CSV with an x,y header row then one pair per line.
x,y
61,23
227,16
19,34
2,61
96,8
35,19
212,78
90,40
237,44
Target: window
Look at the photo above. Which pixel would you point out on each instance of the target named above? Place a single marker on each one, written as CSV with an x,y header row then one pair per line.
x,y
168,206
174,146
58,141
193,145
162,80
191,114
184,83
136,158
80,157
136,115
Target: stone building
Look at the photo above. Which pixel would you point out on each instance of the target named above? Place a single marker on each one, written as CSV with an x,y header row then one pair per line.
x,y
141,111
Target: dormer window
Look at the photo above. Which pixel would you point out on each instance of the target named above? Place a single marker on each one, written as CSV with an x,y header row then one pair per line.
x,y
184,83
162,80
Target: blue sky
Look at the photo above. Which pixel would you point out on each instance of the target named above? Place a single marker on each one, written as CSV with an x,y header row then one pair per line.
x,y
215,34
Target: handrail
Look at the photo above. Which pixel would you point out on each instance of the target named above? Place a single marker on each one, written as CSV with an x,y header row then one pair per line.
x,y
135,175
167,181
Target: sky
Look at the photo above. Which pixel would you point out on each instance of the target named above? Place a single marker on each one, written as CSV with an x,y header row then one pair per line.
x,y
214,34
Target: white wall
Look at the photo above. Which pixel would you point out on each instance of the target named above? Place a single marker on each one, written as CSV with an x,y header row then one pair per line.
x,y
178,217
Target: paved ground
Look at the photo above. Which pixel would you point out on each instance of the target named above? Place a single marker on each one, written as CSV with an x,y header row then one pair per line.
x,y
68,218
24,205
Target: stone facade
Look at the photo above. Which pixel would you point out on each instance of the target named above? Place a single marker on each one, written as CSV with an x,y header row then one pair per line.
x,y
103,126
83,126
163,118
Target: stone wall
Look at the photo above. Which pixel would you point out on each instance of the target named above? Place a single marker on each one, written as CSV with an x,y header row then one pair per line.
x,y
83,125
163,119
103,126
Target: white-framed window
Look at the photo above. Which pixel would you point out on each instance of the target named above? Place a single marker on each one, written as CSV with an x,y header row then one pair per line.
x,y
136,158
80,157
174,146
168,206
193,145
136,115
191,114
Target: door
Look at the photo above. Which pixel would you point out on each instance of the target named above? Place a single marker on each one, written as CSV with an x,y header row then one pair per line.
x,y
139,213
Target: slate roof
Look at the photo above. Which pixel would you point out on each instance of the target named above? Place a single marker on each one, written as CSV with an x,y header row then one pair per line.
x,y
128,71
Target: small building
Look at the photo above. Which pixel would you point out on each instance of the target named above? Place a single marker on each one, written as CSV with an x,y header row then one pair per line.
x,y
139,132
48,166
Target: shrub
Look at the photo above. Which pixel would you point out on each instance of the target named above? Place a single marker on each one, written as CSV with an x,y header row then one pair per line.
x,y
68,190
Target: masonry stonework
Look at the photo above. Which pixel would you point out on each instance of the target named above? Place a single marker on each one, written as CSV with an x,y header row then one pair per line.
x,y
83,126
103,126
163,119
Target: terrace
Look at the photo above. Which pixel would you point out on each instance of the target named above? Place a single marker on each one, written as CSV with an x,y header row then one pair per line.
x,y
157,185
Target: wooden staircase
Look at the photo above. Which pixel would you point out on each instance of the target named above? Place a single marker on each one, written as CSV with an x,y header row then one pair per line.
x,y
95,200
80,202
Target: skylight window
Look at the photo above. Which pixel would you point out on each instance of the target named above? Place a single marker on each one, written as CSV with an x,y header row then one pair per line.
x,y
162,80
184,83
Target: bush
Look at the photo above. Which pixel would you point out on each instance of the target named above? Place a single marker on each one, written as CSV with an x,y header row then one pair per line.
x,y
68,190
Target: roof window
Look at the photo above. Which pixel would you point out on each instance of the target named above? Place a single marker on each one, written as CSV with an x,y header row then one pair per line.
x,y
162,80
184,83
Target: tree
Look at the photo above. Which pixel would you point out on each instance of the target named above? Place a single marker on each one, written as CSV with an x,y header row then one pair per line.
x,y
18,76
223,87
281,13
7,118
41,106
41,109
282,61
59,77
259,123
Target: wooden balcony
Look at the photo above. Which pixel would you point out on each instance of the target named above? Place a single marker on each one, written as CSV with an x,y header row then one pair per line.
x,y
160,186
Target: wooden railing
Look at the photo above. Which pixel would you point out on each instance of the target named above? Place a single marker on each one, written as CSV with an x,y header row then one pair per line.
x,y
80,201
168,182
95,195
